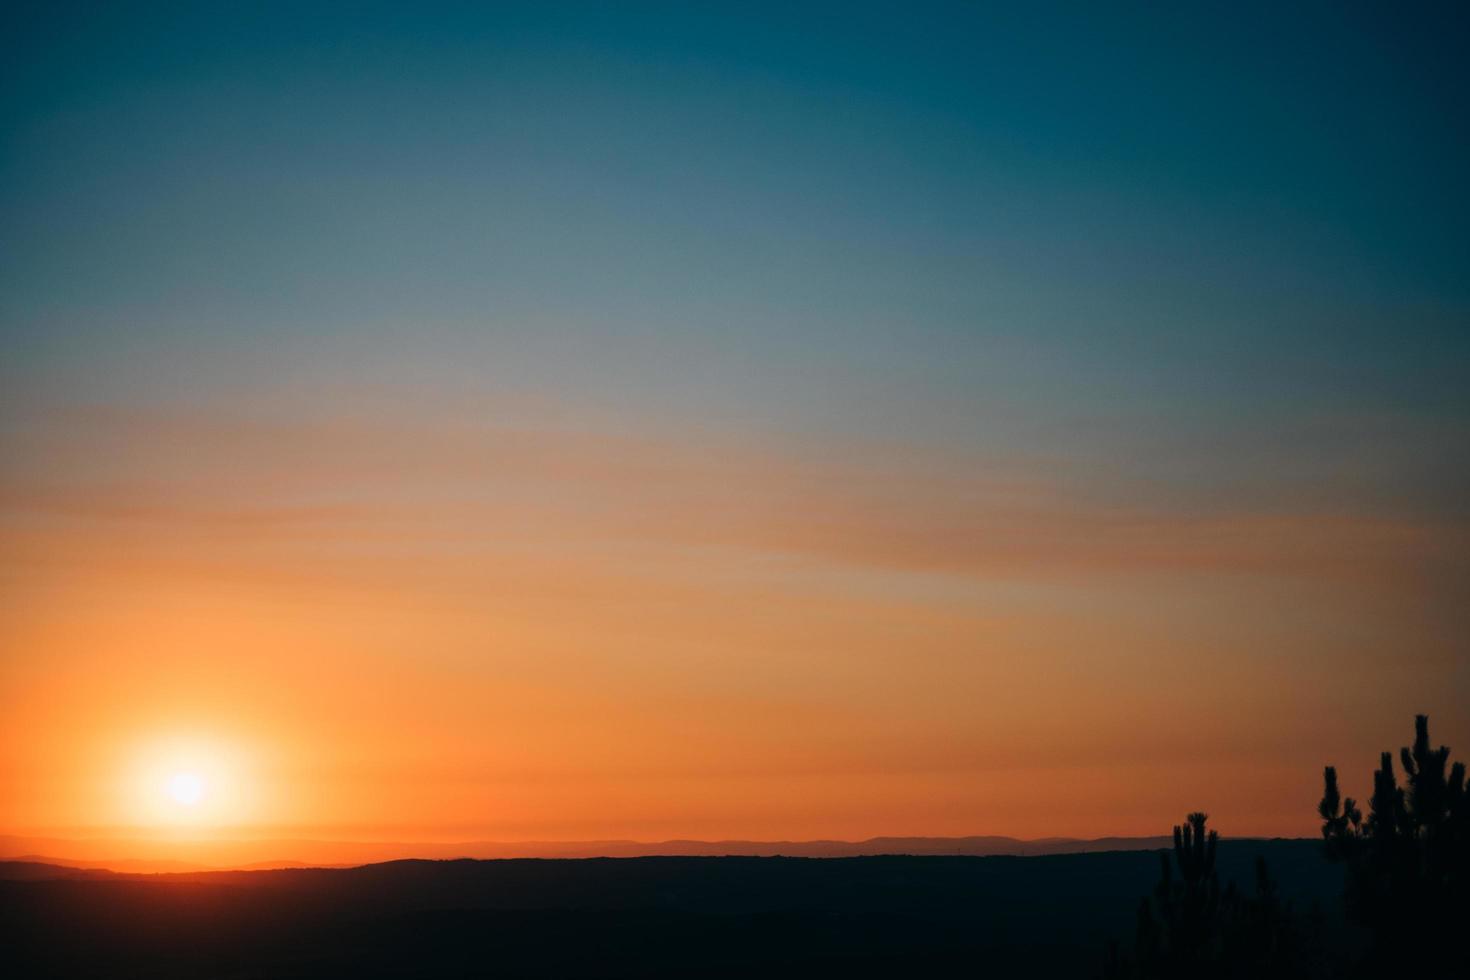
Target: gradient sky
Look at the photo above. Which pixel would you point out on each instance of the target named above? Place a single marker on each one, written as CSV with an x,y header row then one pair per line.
x,y
630,421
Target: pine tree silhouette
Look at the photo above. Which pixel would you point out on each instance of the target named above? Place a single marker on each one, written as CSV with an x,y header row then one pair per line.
x,y
1408,864
1191,928
1342,821
1191,907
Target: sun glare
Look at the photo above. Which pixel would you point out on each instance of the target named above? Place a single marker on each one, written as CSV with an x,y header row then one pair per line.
x,y
186,788
189,781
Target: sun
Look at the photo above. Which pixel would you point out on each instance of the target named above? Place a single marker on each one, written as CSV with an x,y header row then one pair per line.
x,y
186,788
189,782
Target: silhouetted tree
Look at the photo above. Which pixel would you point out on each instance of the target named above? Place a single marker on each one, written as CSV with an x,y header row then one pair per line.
x,y
1191,928
1342,821
1190,907
1408,864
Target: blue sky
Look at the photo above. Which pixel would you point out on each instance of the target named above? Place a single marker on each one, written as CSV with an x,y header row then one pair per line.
x,y
1219,212
1076,293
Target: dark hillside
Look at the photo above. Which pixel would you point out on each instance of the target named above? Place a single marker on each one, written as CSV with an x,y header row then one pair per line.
x,y
910,916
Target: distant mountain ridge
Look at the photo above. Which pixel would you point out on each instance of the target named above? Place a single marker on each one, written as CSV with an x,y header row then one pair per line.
x,y
147,866
658,917
154,856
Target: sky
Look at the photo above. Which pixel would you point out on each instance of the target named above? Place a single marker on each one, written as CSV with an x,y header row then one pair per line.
x,y
563,422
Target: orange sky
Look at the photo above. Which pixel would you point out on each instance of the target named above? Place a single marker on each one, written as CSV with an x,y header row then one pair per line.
x,y
691,420
446,629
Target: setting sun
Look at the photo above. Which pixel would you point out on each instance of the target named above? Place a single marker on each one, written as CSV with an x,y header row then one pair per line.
x,y
453,452
186,788
193,782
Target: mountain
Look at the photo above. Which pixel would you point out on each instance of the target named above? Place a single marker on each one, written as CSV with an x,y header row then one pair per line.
x,y
160,855
149,866
645,917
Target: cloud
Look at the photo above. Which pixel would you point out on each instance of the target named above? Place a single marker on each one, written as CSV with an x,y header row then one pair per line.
x,y
427,490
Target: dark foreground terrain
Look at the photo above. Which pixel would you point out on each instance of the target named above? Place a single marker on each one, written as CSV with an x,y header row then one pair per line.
x,y
628,917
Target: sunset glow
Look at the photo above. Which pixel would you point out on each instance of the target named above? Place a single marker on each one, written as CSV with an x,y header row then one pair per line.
x,y
181,784
186,788
525,426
